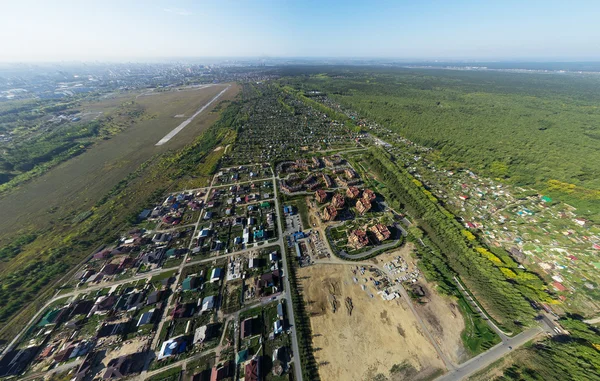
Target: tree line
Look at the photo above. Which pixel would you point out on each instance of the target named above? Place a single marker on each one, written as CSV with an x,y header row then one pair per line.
x,y
494,278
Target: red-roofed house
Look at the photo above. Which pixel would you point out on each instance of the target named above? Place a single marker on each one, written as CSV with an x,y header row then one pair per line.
x,y
558,286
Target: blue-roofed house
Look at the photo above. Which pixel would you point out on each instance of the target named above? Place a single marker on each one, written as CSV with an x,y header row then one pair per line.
x,y
277,327
172,347
204,233
216,275
146,318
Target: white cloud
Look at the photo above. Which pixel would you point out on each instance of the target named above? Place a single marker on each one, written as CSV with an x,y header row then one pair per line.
x,y
178,11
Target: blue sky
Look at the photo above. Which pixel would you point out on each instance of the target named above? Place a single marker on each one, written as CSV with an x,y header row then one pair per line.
x,y
418,29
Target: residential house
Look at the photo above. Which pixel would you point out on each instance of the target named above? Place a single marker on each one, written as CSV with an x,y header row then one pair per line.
x,y
183,310
369,195
358,239
328,181
250,327
223,372
268,280
190,283
216,274
352,193
124,365
363,205
329,213
146,318
252,371
381,232
350,173
154,297
338,201
321,195
172,347
208,303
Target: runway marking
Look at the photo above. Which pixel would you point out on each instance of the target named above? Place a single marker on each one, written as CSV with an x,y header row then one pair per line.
x,y
183,124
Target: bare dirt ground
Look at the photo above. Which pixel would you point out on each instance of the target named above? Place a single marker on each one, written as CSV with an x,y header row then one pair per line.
x,y
440,313
444,320
365,338
128,347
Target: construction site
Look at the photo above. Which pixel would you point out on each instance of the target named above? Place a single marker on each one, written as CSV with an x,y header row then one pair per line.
x,y
358,335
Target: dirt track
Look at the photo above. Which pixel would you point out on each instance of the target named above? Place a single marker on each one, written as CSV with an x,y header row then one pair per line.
x,y
376,336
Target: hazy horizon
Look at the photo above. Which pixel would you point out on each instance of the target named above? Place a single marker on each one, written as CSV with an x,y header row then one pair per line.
x,y
136,31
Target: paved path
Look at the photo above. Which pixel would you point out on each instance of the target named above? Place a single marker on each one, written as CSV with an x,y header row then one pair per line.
x,y
593,321
503,335
487,358
178,129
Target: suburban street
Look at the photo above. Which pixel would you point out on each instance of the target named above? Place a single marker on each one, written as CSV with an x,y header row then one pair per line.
x,y
286,280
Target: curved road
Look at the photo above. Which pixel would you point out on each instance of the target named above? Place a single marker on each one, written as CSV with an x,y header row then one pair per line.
x,y
490,356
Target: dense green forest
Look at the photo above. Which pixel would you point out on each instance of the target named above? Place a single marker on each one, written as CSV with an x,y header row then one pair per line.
x,y
528,129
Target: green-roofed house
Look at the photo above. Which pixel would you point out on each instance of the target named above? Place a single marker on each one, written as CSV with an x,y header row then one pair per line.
x,y
265,204
49,318
171,253
241,356
259,235
189,283
546,199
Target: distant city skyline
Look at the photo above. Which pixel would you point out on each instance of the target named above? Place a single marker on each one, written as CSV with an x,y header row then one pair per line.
x,y
111,30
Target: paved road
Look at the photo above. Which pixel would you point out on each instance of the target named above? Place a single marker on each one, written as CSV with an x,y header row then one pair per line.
x,y
487,358
286,280
503,335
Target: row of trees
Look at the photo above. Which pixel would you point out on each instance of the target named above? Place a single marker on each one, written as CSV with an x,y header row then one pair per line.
x,y
492,276
303,330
